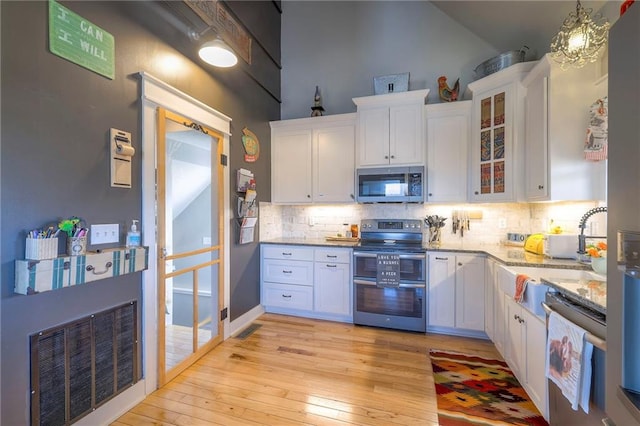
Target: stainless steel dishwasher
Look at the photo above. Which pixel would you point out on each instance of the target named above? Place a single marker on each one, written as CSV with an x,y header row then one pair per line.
x,y
594,322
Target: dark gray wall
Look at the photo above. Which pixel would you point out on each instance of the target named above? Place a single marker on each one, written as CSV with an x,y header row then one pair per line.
x,y
55,119
341,46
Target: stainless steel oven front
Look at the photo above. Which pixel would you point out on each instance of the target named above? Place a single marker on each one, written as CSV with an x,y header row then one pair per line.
x,y
402,307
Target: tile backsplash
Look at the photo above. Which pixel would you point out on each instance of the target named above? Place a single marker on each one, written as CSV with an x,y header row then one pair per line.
x,y
320,221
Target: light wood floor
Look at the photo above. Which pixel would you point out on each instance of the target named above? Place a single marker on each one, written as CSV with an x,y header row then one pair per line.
x,y
295,371
179,343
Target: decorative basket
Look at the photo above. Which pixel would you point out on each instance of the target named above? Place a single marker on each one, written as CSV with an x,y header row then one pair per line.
x,y
41,248
499,62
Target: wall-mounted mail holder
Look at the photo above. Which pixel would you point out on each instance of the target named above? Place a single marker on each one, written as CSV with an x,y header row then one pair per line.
x,y
36,276
247,214
121,152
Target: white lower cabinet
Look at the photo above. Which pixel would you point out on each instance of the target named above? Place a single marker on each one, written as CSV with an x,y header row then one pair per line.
x,y
489,298
332,279
524,351
456,293
307,281
288,296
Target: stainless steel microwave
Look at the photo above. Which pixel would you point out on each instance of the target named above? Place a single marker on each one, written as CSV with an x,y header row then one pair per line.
x,y
391,185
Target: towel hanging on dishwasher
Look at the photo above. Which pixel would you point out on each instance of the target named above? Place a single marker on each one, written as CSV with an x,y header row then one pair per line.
x,y
569,360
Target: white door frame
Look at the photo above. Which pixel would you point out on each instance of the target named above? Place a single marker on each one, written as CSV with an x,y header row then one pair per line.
x,y
156,93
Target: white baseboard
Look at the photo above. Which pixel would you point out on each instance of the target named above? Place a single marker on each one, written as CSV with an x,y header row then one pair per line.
x,y
243,321
119,405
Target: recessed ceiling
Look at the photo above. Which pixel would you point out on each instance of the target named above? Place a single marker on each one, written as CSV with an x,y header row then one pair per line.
x,y
510,25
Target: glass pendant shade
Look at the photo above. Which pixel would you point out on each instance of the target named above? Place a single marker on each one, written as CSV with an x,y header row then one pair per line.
x,y
580,38
218,53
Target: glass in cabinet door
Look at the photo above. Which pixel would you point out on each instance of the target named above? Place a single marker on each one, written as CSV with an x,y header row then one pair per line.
x,y
492,144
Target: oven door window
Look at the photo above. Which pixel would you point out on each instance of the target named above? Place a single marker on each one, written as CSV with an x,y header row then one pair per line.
x,y
401,302
412,268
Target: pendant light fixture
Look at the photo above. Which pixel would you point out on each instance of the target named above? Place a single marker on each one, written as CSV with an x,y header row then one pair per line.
x,y
580,38
218,53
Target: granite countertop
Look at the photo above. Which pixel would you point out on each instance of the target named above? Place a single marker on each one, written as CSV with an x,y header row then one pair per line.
x,y
590,290
592,293
508,255
311,242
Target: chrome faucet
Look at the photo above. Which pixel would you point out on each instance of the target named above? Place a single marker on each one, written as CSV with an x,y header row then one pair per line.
x,y
582,246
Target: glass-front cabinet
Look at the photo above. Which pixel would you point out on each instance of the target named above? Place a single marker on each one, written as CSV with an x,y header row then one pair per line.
x,y
497,135
492,143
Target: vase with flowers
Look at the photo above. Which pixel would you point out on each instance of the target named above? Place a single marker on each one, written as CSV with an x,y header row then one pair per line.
x,y
598,254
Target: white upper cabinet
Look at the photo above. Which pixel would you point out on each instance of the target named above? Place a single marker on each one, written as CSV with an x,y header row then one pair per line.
x,y
497,134
557,107
390,129
312,160
448,127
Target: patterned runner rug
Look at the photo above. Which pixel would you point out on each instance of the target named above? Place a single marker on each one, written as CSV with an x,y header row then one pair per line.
x,y
478,391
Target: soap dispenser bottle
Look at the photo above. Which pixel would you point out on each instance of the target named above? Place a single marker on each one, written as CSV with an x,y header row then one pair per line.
x,y
133,236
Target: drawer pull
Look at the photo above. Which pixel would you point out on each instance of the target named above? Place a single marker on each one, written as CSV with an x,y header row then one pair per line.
x,y
442,258
286,272
286,296
332,256
331,266
92,269
286,254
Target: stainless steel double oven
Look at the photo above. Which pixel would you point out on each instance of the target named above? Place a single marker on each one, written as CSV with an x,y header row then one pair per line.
x,y
399,306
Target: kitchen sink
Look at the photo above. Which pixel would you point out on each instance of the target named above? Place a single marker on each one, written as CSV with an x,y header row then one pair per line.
x,y
547,273
535,292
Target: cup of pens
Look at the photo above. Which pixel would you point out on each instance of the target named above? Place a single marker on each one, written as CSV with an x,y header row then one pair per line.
x,y
76,236
41,244
76,246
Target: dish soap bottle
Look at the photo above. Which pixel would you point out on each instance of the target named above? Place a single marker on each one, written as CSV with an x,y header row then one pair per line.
x,y
133,236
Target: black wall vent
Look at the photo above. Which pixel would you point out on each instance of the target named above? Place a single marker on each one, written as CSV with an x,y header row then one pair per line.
x,y
78,366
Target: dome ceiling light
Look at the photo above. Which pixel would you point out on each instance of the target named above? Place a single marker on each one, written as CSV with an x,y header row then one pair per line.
x,y
218,53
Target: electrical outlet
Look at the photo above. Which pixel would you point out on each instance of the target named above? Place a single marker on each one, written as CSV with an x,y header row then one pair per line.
x,y
502,223
105,234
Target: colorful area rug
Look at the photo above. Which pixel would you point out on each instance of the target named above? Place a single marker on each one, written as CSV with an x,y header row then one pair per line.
x,y
478,391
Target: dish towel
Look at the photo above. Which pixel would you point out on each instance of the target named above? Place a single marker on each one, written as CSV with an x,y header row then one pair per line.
x,y
521,286
569,360
595,145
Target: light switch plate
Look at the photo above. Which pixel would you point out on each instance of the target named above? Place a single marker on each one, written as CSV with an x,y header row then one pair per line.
x,y
105,234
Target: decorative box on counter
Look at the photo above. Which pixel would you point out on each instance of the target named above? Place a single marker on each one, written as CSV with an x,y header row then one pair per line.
x,y
36,276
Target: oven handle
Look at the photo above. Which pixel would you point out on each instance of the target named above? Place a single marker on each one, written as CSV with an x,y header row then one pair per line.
x,y
594,340
402,285
416,256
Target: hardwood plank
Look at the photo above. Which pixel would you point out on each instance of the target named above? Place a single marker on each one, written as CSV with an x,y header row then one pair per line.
x,y
296,371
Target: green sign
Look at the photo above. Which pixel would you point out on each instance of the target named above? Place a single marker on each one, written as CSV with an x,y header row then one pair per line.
x,y
79,41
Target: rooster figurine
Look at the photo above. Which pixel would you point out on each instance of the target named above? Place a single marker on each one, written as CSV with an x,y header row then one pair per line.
x,y
447,94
